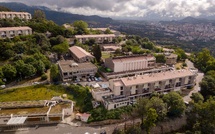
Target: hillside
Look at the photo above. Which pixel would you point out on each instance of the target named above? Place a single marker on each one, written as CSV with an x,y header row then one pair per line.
x,y
58,17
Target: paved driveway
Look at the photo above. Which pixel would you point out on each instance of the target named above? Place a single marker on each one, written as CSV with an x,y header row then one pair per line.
x,y
198,80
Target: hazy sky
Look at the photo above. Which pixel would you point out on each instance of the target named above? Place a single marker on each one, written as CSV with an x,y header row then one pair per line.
x,y
129,8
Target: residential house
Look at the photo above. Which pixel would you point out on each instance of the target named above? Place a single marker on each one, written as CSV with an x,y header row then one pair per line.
x,y
11,32
12,15
99,38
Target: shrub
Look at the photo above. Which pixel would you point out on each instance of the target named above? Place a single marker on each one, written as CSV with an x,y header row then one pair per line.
x,y
44,77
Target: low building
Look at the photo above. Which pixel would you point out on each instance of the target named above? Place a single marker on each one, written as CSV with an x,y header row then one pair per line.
x,y
11,32
83,117
171,58
99,38
80,55
70,70
127,90
110,48
130,63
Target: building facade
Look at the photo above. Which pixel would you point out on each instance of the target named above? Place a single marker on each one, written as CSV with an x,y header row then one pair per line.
x,y
80,55
11,32
171,58
70,70
12,15
127,90
99,38
130,63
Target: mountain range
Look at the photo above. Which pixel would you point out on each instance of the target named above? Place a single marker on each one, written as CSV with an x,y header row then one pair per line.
x,y
57,17
94,20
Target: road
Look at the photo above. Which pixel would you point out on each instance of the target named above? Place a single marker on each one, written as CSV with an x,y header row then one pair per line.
x,y
67,129
198,80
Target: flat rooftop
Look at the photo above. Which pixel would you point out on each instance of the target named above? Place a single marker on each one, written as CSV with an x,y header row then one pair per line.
x,y
153,77
133,58
70,66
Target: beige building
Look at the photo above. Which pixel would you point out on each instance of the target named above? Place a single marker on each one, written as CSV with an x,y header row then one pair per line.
x,y
80,55
12,15
70,70
130,63
171,58
10,32
127,90
99,38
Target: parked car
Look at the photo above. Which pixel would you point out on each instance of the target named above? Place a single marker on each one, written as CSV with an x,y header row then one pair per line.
x,y
100,79
96,79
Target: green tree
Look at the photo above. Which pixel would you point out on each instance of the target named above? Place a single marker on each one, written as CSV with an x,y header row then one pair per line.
x,y
207,86
201,117
2,8
42,41
108,31
80,27
197,97
181,54
202,59
57,40
28,70
9,71
133,130
160,107
61,48
141,107
150,120
97,52
175,104
148,45
39,15
160,58
40,66
54,73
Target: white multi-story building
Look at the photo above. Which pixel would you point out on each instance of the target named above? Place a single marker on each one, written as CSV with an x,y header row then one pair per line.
x,y
125,91
12,15
130,63
99,38
10,32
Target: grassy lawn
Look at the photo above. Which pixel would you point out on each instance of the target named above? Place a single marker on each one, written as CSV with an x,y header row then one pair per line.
x,y
79,94
178,65
31,93
105,55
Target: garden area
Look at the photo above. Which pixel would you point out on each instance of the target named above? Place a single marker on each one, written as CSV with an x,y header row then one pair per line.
x,y
37,92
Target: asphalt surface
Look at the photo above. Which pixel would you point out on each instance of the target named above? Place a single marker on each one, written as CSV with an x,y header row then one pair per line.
x,y
67,129
198,80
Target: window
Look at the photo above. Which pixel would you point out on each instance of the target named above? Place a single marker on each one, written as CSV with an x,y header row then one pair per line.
x,y
136,91
121,88
121,93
